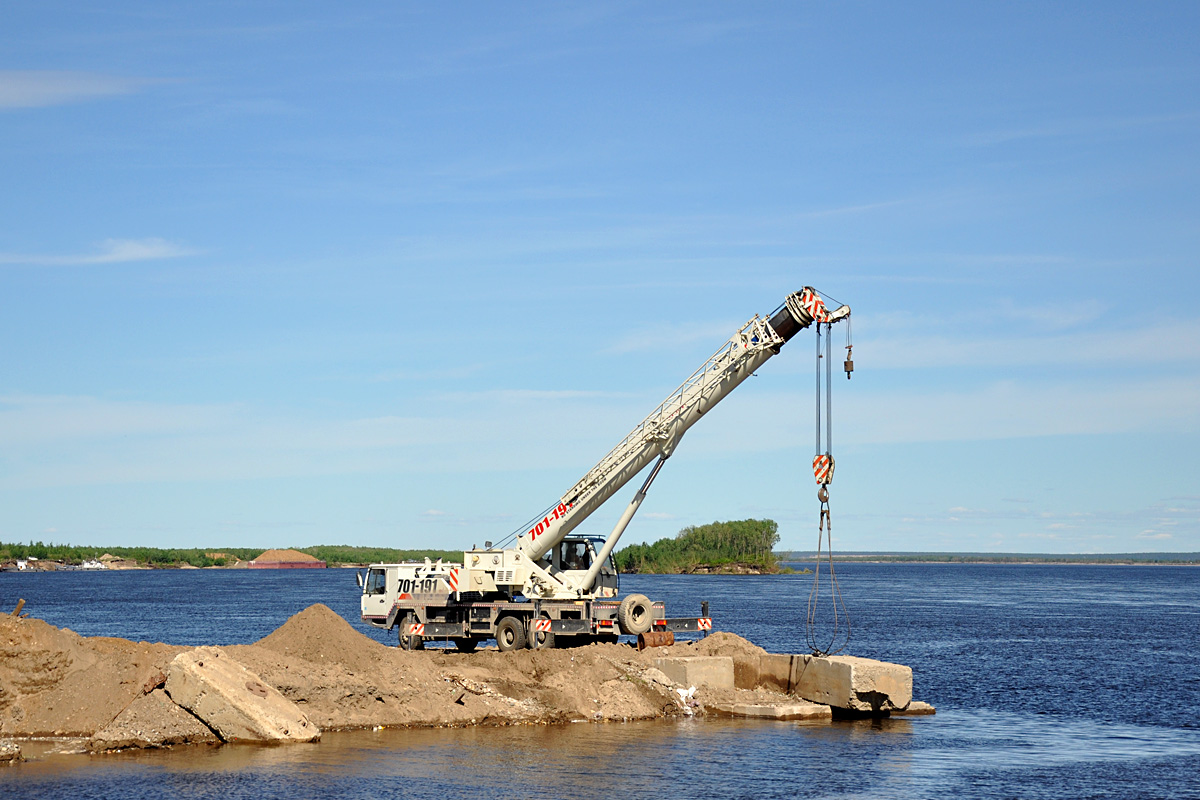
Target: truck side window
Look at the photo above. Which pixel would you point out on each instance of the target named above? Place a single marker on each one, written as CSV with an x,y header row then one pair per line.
x,y
376,582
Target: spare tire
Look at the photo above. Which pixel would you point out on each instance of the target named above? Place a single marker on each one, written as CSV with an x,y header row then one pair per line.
x,y
635,614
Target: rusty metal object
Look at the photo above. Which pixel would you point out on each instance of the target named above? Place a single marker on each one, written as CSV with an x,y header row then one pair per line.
x,y
655,639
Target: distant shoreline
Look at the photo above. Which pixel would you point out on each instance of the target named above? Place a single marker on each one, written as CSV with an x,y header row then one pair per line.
x,y
1148,559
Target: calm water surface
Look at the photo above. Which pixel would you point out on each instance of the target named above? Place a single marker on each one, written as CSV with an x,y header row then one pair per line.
x,y
1050,681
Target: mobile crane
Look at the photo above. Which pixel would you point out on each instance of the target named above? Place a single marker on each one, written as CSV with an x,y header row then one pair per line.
x,y
553,588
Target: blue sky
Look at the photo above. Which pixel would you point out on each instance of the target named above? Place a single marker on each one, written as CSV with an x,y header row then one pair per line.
x,y
281,274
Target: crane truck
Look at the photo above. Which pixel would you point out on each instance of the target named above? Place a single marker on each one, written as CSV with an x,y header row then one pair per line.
x,y
551,587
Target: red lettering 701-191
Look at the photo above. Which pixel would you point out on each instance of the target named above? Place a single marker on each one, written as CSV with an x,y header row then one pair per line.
x,y
556,514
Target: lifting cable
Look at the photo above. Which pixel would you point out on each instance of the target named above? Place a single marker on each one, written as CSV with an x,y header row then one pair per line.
x,y
839,635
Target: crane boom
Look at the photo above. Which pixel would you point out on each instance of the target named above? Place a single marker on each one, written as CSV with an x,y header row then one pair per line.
x,y
659,433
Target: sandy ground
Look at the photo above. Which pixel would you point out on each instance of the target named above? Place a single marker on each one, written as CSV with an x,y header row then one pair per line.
x,y
54,682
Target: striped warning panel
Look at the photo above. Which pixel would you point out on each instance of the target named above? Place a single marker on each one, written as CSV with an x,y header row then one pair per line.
x,y
452,579
416,629
541,625
813,305
704,624
823,469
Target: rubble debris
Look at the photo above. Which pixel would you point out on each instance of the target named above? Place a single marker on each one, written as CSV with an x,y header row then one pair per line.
x,y
152,720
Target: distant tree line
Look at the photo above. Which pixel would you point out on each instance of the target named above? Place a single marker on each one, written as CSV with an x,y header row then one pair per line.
x,y
748,543
333,555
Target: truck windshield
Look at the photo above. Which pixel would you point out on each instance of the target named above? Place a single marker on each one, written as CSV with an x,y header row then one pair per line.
x,y
575,555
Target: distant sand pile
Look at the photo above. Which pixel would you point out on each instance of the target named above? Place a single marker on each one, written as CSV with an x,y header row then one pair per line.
x,y
284,559
56,683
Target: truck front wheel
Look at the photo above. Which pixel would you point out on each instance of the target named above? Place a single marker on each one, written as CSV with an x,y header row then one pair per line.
x,y
510,634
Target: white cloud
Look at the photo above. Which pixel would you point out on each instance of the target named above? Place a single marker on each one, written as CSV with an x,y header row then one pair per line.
x,y
110,251
38,89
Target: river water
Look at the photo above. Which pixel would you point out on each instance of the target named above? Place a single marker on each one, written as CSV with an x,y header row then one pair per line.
x,y
1050,681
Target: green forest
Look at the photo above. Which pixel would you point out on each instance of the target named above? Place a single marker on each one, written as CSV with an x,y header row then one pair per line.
x,y
718,546
333,555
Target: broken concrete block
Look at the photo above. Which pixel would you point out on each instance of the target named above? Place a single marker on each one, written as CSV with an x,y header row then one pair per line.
x,y
915,709
781,711
769,671
151,720
233,701
715,672
848,682
852,683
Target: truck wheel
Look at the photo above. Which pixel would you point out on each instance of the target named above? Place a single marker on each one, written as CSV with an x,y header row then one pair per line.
x,y
544,639
465,644
635,614
417,643
510,634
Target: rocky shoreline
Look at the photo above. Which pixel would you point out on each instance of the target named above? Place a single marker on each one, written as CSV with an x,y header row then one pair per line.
x,y
112,694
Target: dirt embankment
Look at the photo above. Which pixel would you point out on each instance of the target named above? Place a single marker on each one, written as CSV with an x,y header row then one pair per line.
x,y
56,683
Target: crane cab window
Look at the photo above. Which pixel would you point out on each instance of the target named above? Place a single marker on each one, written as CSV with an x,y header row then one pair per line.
x,y
376,582
575,555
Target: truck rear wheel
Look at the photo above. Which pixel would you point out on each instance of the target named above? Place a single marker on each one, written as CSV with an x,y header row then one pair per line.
x,y
635,614
465,644
542,639
510,634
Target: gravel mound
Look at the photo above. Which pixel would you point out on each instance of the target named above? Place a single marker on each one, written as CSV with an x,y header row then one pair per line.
x,y
56,683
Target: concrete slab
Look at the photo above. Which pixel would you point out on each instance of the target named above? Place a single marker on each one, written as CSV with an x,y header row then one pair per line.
x,y
780,711
151,720
915,709
715,672
233,701
849,682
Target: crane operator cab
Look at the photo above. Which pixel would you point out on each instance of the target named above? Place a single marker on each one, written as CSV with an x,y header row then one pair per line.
x,y
574,556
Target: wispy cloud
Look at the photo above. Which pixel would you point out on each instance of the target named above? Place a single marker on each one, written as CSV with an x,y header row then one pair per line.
x,y
1003,410
110,251
660,337
39,89
902,349
1083,127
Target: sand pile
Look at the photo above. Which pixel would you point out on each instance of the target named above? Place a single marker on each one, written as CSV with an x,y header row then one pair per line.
x,y
57,683
284,556
54,682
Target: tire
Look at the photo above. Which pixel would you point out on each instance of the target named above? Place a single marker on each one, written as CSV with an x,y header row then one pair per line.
x,y
417,643
543,640
465,644
510,634
635,614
